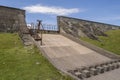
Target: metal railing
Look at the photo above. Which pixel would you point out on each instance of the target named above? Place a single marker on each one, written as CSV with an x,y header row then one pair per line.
x,y
50,27
45,27
39,28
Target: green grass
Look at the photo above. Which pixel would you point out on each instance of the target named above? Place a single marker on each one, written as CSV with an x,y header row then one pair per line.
x,y
24,63
110,43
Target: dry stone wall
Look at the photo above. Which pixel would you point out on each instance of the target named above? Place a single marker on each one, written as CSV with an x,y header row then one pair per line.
x,y
83,28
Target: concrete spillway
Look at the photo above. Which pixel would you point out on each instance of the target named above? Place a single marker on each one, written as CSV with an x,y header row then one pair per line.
x,y
67,55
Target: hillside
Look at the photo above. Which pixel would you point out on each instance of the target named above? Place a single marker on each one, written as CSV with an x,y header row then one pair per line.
x,y
110,43
24,63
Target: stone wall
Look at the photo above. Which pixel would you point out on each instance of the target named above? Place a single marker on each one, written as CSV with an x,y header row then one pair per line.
x,y
83,28
11,19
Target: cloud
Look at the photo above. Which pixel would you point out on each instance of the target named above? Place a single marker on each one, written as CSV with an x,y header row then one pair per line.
x,y
51,10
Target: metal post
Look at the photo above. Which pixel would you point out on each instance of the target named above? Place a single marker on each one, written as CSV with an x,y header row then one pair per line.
x,y
39,28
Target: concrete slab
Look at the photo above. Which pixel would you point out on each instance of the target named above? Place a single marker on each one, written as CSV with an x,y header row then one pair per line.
x,y
67,54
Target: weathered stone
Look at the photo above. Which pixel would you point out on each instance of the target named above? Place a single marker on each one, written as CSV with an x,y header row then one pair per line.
x,y
11,19
116,65
86,73
100,69
111,66
106,68
82,28
93,71
79,75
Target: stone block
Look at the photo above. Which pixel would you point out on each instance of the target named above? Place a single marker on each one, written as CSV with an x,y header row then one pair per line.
x,y
111,66
78,74
106,68
86,73
93,71
100,69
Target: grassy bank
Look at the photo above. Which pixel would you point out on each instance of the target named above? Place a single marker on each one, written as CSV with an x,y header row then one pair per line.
x,y
110,43
24,63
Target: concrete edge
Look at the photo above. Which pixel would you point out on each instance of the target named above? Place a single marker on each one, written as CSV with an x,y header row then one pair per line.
x,y
93,47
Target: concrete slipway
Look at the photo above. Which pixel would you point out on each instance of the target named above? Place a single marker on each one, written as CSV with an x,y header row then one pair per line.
x,y
66,55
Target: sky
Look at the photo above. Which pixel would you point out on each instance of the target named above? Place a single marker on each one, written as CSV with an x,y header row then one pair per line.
x,y
105,11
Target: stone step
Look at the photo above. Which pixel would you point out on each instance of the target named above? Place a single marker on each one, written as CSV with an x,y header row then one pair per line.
x,y
86,72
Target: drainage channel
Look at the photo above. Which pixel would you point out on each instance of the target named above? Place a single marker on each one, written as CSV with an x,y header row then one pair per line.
x,y
87,72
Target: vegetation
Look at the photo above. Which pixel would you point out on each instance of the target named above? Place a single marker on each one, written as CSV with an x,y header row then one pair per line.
x,y
110,43
24,63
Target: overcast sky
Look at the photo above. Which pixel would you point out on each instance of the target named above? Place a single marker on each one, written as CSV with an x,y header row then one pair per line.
x,y
105,11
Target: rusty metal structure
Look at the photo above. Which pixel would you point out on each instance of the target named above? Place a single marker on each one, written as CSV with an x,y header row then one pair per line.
x,y
35,32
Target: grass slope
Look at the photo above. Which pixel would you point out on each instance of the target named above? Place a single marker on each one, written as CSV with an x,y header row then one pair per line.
x,y
110,43
24,63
